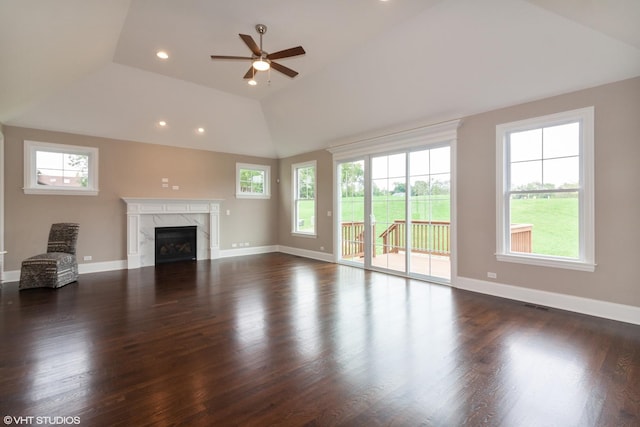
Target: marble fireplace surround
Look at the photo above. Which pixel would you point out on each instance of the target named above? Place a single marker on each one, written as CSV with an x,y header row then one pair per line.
x,y
145,214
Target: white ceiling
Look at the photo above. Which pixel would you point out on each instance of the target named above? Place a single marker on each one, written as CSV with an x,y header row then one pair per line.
x,y
89,66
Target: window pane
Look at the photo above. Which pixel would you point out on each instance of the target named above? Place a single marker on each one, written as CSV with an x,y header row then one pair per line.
x,y
252,181
49,160
305,210
562,141
562,173
545,224
305,183
526,145
439,160
379,167
526,175
62,169
397,166
304,193
419,186
419,162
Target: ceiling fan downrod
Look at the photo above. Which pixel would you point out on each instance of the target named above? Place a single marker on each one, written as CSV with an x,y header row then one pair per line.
x,y
261,29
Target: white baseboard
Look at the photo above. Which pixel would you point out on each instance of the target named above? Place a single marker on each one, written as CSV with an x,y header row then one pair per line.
x,y
92,267
97,267
605,309
227,253
11,276
320,256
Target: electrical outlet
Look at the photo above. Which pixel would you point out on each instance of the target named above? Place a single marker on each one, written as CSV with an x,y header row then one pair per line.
x,y
322,248
234,245
87,258
491,275
175,187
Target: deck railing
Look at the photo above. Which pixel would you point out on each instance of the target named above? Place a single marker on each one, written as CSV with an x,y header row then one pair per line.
x,y
521,235
353,238
428,237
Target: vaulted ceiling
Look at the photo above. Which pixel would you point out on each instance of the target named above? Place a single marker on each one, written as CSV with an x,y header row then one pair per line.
x,y
90,66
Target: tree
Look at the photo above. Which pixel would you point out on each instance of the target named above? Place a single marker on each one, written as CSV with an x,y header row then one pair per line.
x,y
420,188
81,163
306,184
352,176
399,187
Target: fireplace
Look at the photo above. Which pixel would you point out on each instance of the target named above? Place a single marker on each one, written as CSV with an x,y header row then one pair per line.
x,y
176,244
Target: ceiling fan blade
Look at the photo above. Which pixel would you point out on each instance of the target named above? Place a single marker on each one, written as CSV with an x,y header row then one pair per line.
x,y
294,51
284,70
248,40
250,73
230,57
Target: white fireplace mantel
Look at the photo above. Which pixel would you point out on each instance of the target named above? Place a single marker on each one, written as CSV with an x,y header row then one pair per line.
x,y
143,214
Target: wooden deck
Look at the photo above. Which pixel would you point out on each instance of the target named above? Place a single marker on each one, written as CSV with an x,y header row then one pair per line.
x,y
429,265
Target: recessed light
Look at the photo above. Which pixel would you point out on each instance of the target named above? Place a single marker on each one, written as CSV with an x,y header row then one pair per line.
x,y
200,130
162,54
162,123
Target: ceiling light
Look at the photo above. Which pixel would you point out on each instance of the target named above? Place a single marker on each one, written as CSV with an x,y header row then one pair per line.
x,y
252,82
200,130
162,123
162,54
261,65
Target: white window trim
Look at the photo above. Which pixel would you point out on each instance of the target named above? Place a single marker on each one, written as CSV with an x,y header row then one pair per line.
x,y
31,173
294,181
586,257
267,181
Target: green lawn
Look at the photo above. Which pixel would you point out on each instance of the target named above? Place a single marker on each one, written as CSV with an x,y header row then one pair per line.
x,y
386,209
555,225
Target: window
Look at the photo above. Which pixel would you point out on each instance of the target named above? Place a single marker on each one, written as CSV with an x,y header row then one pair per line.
x,y
60,169
304,198
252,181
545,190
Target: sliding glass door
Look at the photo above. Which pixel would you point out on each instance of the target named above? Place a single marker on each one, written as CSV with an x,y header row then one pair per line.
x,y
430,206
351,208
394,212
389,207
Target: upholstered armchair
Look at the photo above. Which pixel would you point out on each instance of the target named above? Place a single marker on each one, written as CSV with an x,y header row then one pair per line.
x,y
57,267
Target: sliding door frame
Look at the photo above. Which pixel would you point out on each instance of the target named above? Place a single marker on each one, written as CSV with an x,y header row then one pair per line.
x,y
406,141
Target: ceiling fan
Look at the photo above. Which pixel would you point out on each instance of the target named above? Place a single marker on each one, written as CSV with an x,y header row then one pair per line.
x,y
262,60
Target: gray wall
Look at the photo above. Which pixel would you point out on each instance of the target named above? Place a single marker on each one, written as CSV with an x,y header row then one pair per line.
x,y
135,169
617,196
324,201
128,169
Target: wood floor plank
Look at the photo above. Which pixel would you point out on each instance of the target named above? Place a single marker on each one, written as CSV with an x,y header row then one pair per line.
x,y
276,339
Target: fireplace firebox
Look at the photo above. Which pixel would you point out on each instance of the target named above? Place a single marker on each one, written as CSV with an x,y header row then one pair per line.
x,y
176,244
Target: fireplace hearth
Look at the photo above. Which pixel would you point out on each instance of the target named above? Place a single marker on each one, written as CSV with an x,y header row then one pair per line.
x,y
175,244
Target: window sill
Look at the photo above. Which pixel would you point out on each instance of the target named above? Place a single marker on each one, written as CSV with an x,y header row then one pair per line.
x,y
568,264
60,192
252,196
307,235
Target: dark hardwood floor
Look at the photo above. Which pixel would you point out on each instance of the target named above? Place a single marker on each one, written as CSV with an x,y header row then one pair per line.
x,y
280,340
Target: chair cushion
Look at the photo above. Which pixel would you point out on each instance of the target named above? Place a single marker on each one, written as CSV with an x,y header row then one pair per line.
x,y
50,258
53,269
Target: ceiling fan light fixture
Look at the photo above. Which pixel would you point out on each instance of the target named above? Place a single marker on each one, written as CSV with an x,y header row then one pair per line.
x,y
261,65
252,82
